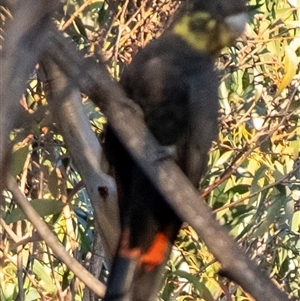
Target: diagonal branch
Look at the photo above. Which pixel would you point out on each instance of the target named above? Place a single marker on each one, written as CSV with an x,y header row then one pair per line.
x,y
52,241
65,104
127,125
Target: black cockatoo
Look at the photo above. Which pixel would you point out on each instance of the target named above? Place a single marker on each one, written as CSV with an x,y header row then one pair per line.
x,y
174,82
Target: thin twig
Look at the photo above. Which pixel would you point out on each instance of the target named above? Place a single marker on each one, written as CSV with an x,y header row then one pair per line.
x,y
75,15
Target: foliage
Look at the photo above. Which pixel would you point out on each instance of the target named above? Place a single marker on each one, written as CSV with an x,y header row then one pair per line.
x,y
252,183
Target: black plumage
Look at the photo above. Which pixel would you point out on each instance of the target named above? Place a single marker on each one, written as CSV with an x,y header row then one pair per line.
x,y
176,86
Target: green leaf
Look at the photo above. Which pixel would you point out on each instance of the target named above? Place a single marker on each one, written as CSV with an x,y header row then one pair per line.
x,y
18,160
53,183
43,272
199,286
296,222
290,69
42,206
32,295
224,158
8,291
272,214
240,188
96,6
258,182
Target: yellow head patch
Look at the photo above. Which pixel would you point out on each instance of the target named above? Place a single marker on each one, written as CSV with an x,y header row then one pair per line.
x,y
203,33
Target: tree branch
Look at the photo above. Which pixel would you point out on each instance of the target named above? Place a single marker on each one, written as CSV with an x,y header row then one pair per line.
x,y
65,104
128,126
25,37
52,241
